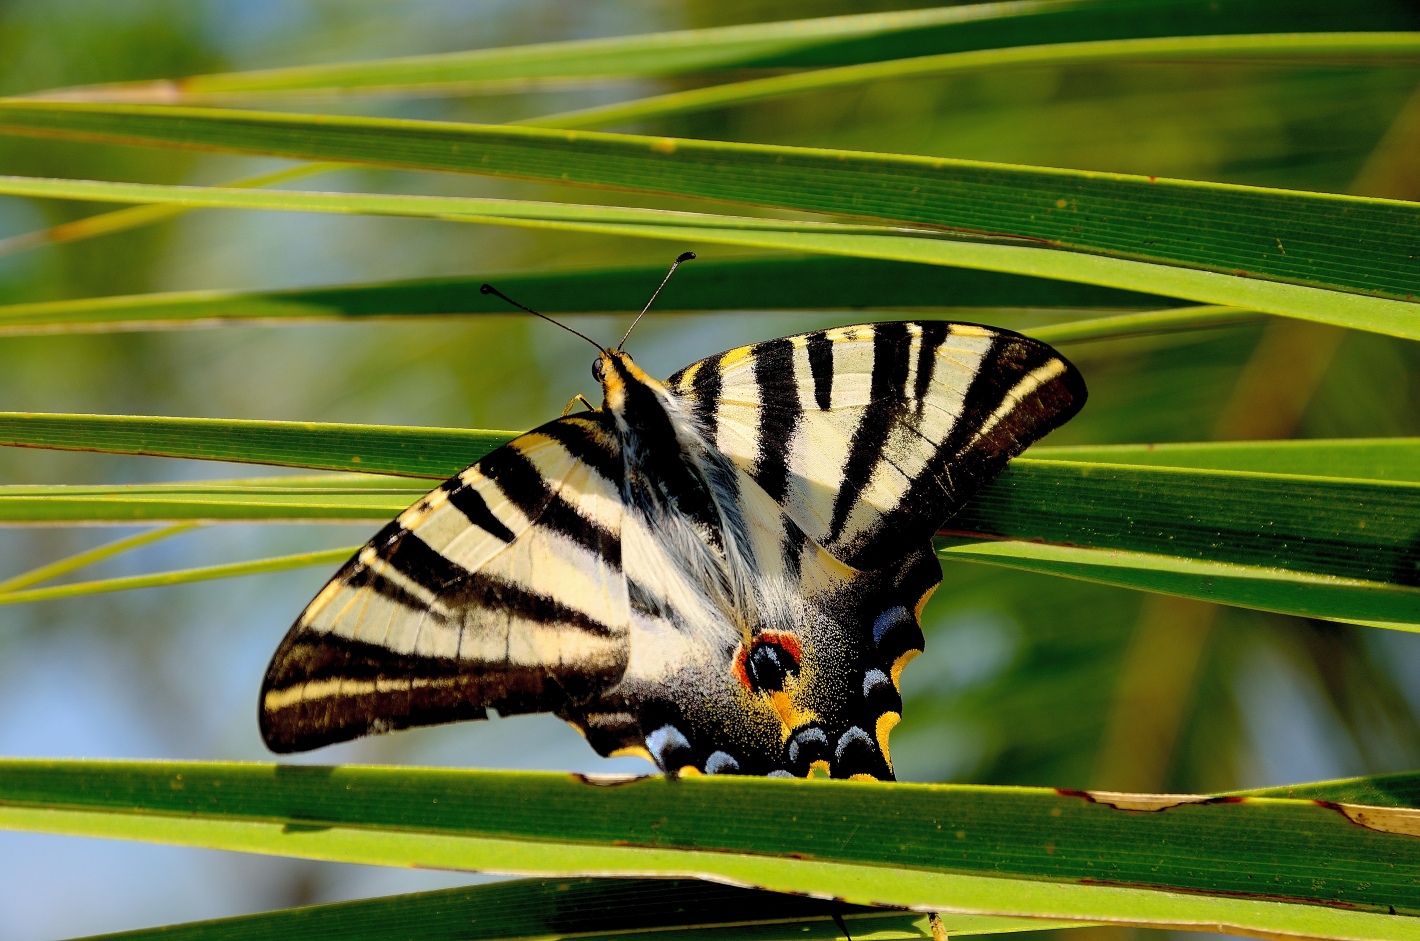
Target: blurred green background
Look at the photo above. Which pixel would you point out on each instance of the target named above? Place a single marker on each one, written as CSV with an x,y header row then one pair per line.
x,y
1026,680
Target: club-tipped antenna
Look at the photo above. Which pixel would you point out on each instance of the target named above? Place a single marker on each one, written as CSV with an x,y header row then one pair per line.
x,y
683,256
490,289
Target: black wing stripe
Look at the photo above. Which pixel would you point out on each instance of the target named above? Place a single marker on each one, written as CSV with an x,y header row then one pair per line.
x,y
417,561
820,349
934,334
561,517
888,380
471,504
707,384
963,461
499,595
585,442
518,479
779,413
362,576
526,488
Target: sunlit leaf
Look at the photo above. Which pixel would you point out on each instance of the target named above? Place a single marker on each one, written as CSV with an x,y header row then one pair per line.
x,y
782,283
1380,790
1295,591
436,453
1315,546
835,40
268,498
182,576
1288,46
1327,304
81,559
1374,458
1255,865
595,909
1344,243
124,220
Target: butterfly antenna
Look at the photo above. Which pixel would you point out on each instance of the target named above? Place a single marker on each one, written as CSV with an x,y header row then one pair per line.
x,y
490,289
683,256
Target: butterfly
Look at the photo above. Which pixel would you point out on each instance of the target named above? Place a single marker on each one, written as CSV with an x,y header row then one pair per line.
x,y
723,572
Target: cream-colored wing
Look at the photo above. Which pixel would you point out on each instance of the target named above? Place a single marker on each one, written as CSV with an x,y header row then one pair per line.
x,y
502,588
871,436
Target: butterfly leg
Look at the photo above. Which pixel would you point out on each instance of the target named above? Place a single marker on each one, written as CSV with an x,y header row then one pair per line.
x,y
575,399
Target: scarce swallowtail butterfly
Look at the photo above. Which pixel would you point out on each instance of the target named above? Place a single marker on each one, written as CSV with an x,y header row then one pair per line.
x,y
723,572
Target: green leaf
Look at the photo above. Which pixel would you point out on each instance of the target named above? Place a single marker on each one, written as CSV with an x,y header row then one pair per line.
x,y
814,42
1322,304
774,283
358,497
183,576
1123,326
81,559
436,453
1288,46
1344,243
1309,546
1346,530
1381,790
1314,546
1368,458
1368,602
601,909
1359,529
1253,865
135,217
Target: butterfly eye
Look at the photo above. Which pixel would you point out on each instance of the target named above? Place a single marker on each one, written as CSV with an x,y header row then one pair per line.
x,y
598,369
768,665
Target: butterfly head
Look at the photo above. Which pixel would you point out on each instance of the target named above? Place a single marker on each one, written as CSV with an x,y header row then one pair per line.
x,y
618,374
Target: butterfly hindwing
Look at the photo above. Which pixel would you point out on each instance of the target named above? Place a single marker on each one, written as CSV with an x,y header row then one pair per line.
x,y
871,436
501,588
857,444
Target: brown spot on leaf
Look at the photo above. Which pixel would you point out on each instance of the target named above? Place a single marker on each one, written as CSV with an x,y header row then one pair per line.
x,y
1145,803
1306,899
1402,820
608,780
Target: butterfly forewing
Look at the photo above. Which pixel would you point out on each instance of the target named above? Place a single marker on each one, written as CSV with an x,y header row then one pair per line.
x,y
501,588
871,436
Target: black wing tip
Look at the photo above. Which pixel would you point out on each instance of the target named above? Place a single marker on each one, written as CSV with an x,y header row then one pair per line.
x,y
1070,382
283,740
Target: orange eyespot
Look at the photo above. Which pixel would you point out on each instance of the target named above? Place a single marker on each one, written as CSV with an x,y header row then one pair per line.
x,y
770,659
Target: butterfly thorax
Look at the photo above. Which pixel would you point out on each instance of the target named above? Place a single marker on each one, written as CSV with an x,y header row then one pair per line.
x,y
684,493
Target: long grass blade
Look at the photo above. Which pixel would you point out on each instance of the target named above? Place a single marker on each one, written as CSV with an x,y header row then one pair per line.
x,y
832,41
1366,602
436,453
135,217
1330,304
1357,458
182,576
439,453
792,282
1150,323
269,499
591,909
1290,46
81,559
1344,243
1324,547
1254,865
1379,790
